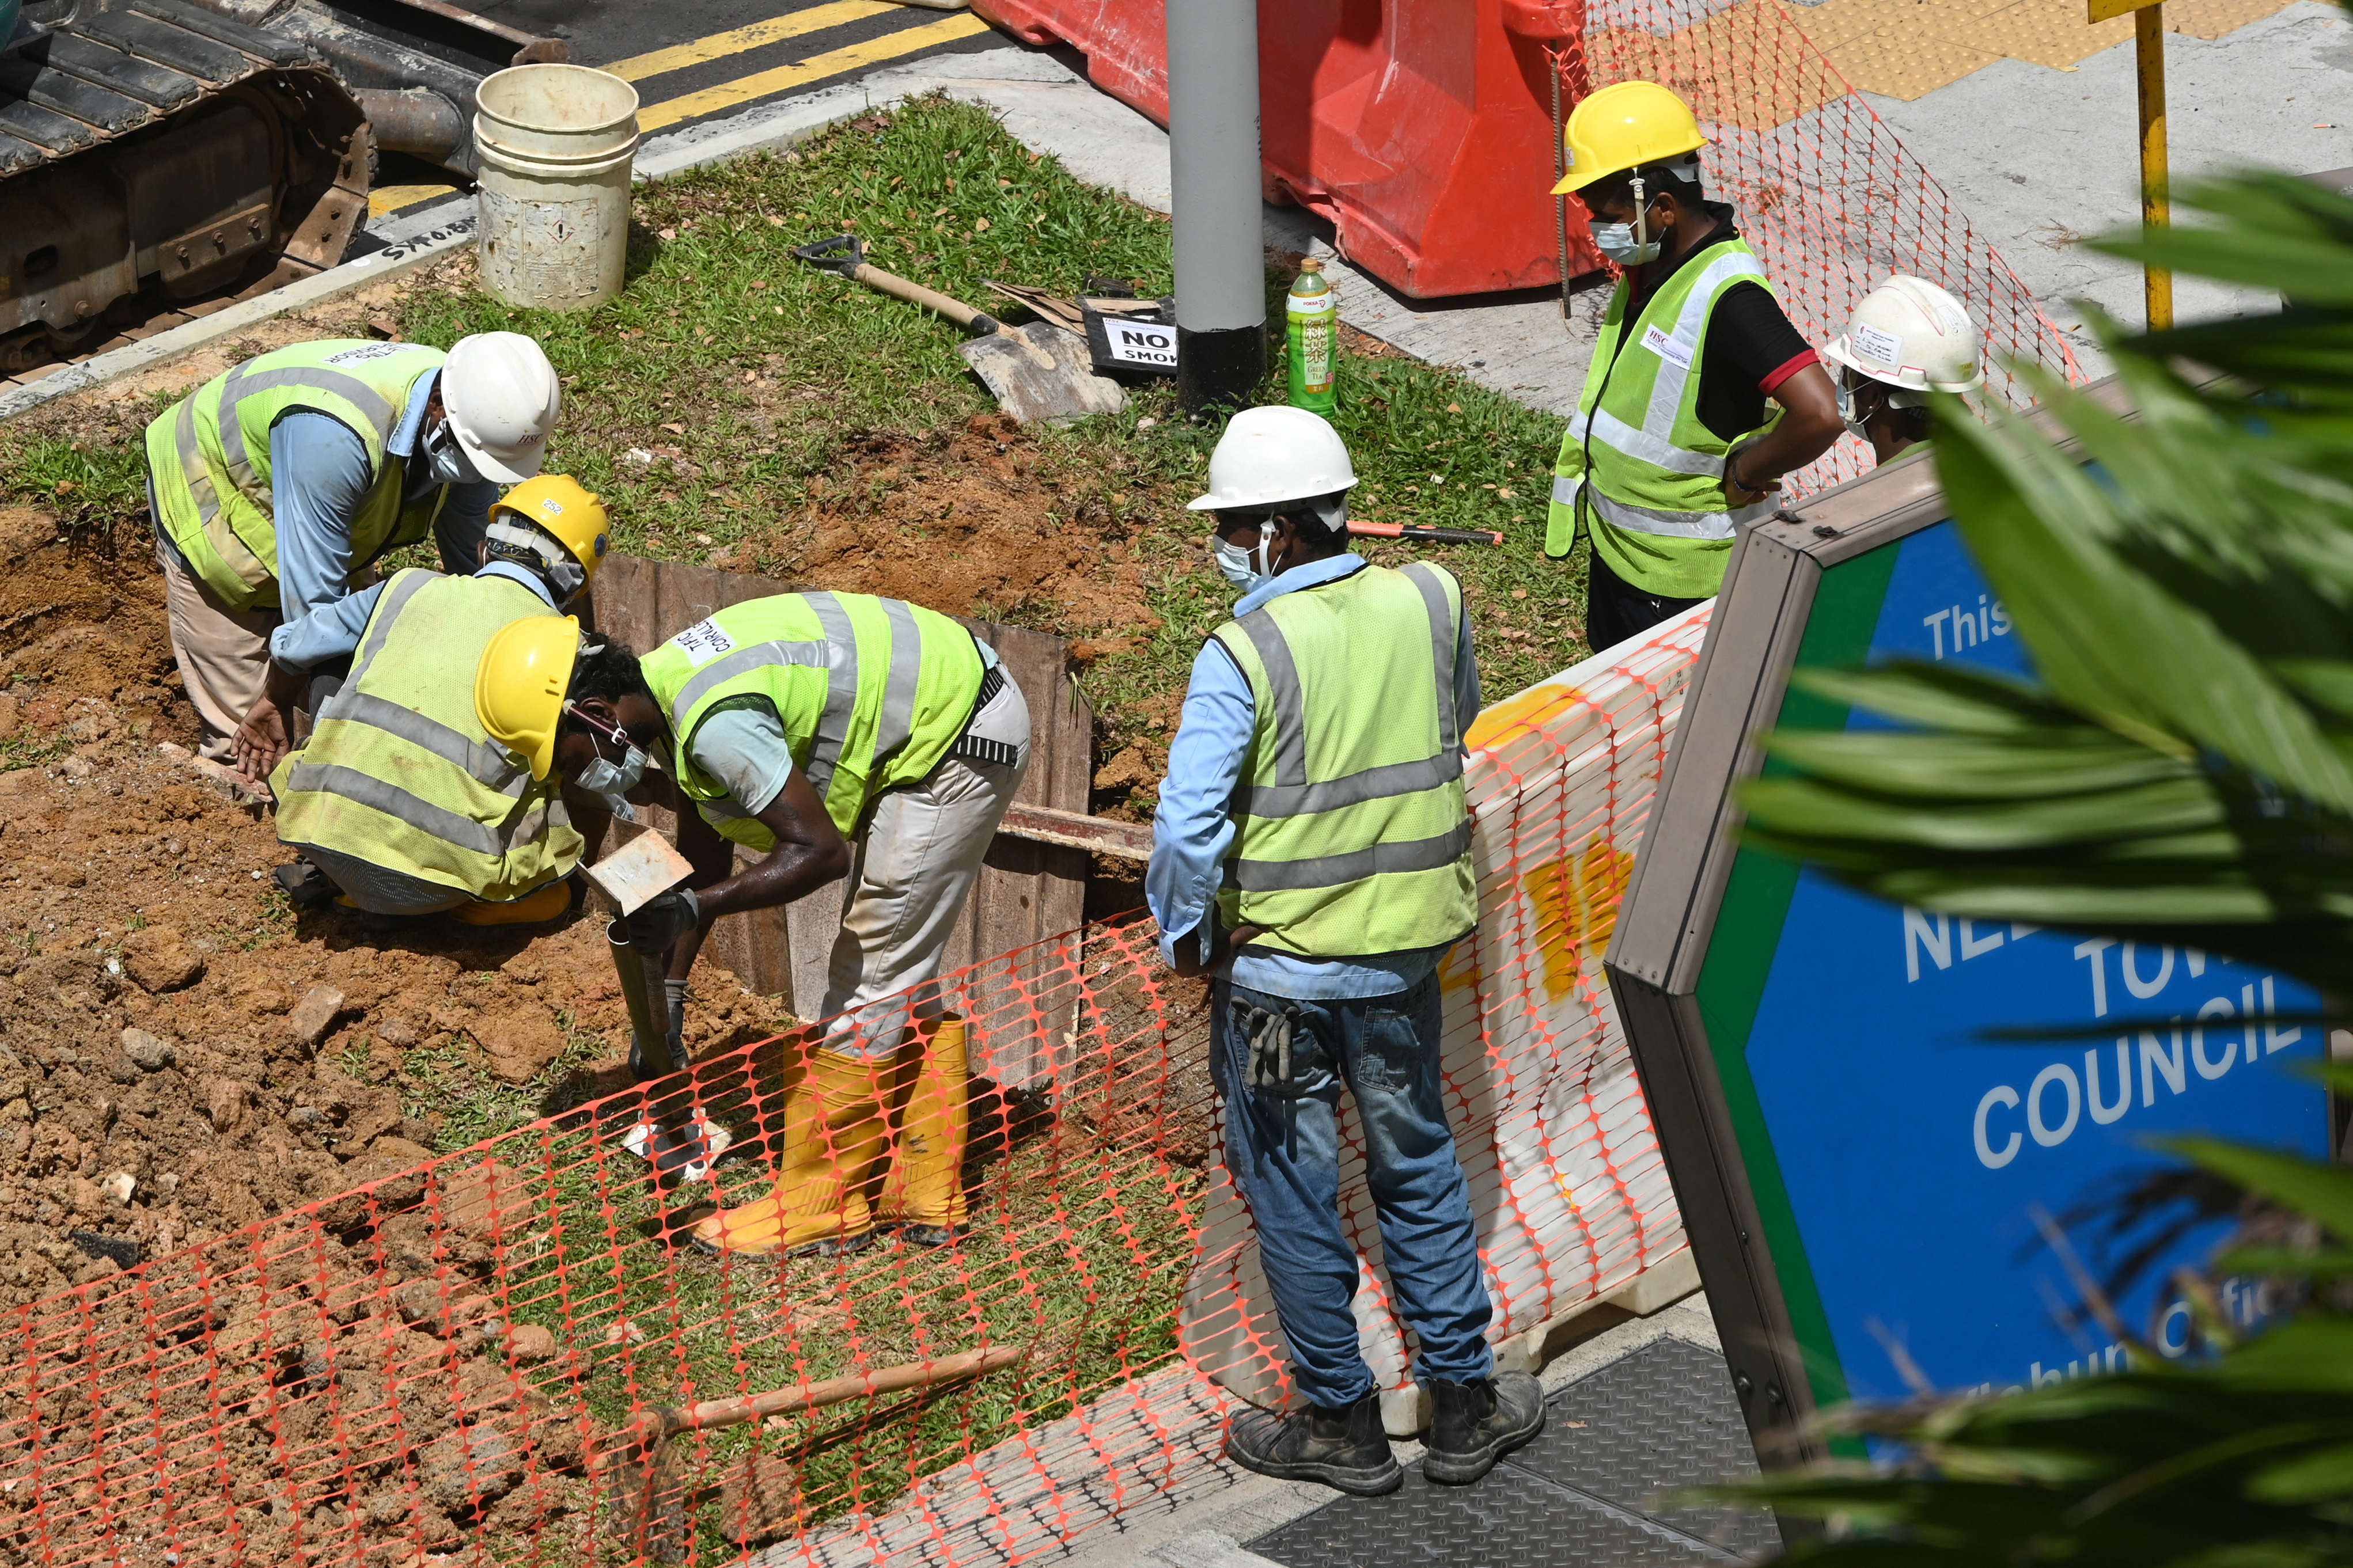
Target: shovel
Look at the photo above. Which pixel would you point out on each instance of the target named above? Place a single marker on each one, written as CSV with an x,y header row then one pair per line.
x,y
1035,372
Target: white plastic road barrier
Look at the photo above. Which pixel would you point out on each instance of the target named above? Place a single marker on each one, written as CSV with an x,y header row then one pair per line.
x,y
556,143
1568,1185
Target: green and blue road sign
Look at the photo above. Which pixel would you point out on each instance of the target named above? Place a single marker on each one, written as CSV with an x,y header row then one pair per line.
x,y
1859,1165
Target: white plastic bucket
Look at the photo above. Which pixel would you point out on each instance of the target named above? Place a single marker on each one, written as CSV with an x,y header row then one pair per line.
x,y
555,142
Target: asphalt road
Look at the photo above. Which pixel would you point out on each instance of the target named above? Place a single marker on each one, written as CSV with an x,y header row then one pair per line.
x,y
695,59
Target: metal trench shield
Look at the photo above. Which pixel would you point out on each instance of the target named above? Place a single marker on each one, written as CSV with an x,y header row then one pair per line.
x,y
1857,1165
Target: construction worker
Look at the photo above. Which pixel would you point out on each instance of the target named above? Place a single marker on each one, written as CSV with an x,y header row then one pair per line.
x,y
842,734
1672,447
1908,339
1312,852
276,485
412,794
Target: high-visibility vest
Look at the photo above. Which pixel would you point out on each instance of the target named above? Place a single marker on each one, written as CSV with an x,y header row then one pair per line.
x,y
1655,503
871,693
208,456
1354,836
399,770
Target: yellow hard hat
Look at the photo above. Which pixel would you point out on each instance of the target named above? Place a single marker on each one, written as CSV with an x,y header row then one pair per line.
x,y
557,503
520,685
1624,127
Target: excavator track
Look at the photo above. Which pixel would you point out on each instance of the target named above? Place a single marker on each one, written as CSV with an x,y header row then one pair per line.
x,y
160,159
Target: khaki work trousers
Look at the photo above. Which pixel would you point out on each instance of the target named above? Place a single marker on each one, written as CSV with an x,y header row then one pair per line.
x,y
223,653
914,868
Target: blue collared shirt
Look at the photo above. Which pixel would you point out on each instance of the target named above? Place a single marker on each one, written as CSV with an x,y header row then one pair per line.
x,y
1194,827
332,631
319,480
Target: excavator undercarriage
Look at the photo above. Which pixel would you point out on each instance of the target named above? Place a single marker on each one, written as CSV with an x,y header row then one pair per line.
x,y
157,152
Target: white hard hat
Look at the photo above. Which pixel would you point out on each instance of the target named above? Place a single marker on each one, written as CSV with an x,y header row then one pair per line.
x,y
1910,333
1269,455
502,397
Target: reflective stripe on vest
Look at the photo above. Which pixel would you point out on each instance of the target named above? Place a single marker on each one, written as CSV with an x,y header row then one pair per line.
x,y
918,707
1664,477
1664,525
435,797
212,483
1418,823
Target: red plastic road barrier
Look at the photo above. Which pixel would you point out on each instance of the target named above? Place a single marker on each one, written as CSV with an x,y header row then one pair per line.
x,y
1421,128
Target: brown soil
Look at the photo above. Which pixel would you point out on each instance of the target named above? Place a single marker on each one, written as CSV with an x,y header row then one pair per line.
x,y
153,982
964,523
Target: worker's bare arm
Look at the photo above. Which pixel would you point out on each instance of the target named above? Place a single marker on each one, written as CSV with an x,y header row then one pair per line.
x,y
1808,426
264,735
810,852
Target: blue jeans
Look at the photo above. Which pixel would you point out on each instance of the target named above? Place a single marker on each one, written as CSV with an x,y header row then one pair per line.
x,y
1283,1147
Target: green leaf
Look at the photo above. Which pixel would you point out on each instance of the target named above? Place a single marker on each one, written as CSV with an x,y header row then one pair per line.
x,y
2319,1192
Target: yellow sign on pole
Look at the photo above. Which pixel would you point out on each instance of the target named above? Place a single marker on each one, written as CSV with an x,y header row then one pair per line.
x,y
2148,51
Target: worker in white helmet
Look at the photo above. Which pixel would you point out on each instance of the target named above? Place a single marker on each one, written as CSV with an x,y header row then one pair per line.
x,y
1311,854
278,484
1908,339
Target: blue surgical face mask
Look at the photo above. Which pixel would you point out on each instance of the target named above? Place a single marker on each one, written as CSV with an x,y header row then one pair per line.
x,y
1247,570
1616,241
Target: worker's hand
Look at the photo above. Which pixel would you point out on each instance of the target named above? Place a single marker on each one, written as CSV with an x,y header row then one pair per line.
x,y
1223,945
261,739
660,923
1741,494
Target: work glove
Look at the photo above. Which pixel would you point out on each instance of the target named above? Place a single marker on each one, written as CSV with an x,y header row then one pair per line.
x,y
658,923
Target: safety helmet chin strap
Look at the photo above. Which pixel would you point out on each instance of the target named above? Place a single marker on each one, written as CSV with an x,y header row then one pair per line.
x,y
1641,213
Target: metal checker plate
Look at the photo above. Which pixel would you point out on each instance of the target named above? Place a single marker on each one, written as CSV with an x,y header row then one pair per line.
x,y
1508,1518
1660,1419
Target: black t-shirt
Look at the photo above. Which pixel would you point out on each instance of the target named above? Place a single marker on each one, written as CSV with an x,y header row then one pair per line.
x,y
1749,340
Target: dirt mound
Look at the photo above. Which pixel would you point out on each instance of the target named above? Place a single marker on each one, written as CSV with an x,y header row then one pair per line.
x,y
966,523
179,1053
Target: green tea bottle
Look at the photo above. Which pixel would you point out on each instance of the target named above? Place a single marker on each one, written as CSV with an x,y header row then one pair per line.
x,y
1310,317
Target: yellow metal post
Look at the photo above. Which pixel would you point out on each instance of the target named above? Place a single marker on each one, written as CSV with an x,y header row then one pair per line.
x,y
2148,48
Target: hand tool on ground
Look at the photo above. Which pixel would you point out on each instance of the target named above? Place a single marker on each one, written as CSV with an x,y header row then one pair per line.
x,y
677,1136
1427,535
1034,372
648,1498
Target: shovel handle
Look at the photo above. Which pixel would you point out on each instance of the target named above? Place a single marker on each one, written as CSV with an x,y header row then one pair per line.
x,y
978,322
1428,535
713,1413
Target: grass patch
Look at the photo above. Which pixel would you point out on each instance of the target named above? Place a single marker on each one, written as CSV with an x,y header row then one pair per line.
x,y
735,403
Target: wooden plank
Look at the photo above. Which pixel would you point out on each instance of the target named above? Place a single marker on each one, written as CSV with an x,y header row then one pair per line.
x,y
1073,830
1028,889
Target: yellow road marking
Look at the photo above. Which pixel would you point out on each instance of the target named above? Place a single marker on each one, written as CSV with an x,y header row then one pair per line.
x,y
719,45
784,79
387,199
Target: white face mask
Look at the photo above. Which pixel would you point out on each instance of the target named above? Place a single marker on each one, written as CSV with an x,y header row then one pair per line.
x,y
1847,413
1247,570
445,460
1617,241
609,780
1629,244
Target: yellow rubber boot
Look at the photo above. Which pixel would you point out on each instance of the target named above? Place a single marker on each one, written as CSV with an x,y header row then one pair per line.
x,y
548,903
924,1194
834,1131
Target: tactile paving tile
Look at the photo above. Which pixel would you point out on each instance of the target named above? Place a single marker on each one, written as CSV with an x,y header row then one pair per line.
x,y
1510,1518
1663,1419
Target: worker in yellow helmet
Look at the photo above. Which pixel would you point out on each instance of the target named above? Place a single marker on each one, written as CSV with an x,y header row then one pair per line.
x,y
1675,445
429,784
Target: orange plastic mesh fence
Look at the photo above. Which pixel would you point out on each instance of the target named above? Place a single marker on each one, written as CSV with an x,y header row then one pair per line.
x,y
1826,194
495,1359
